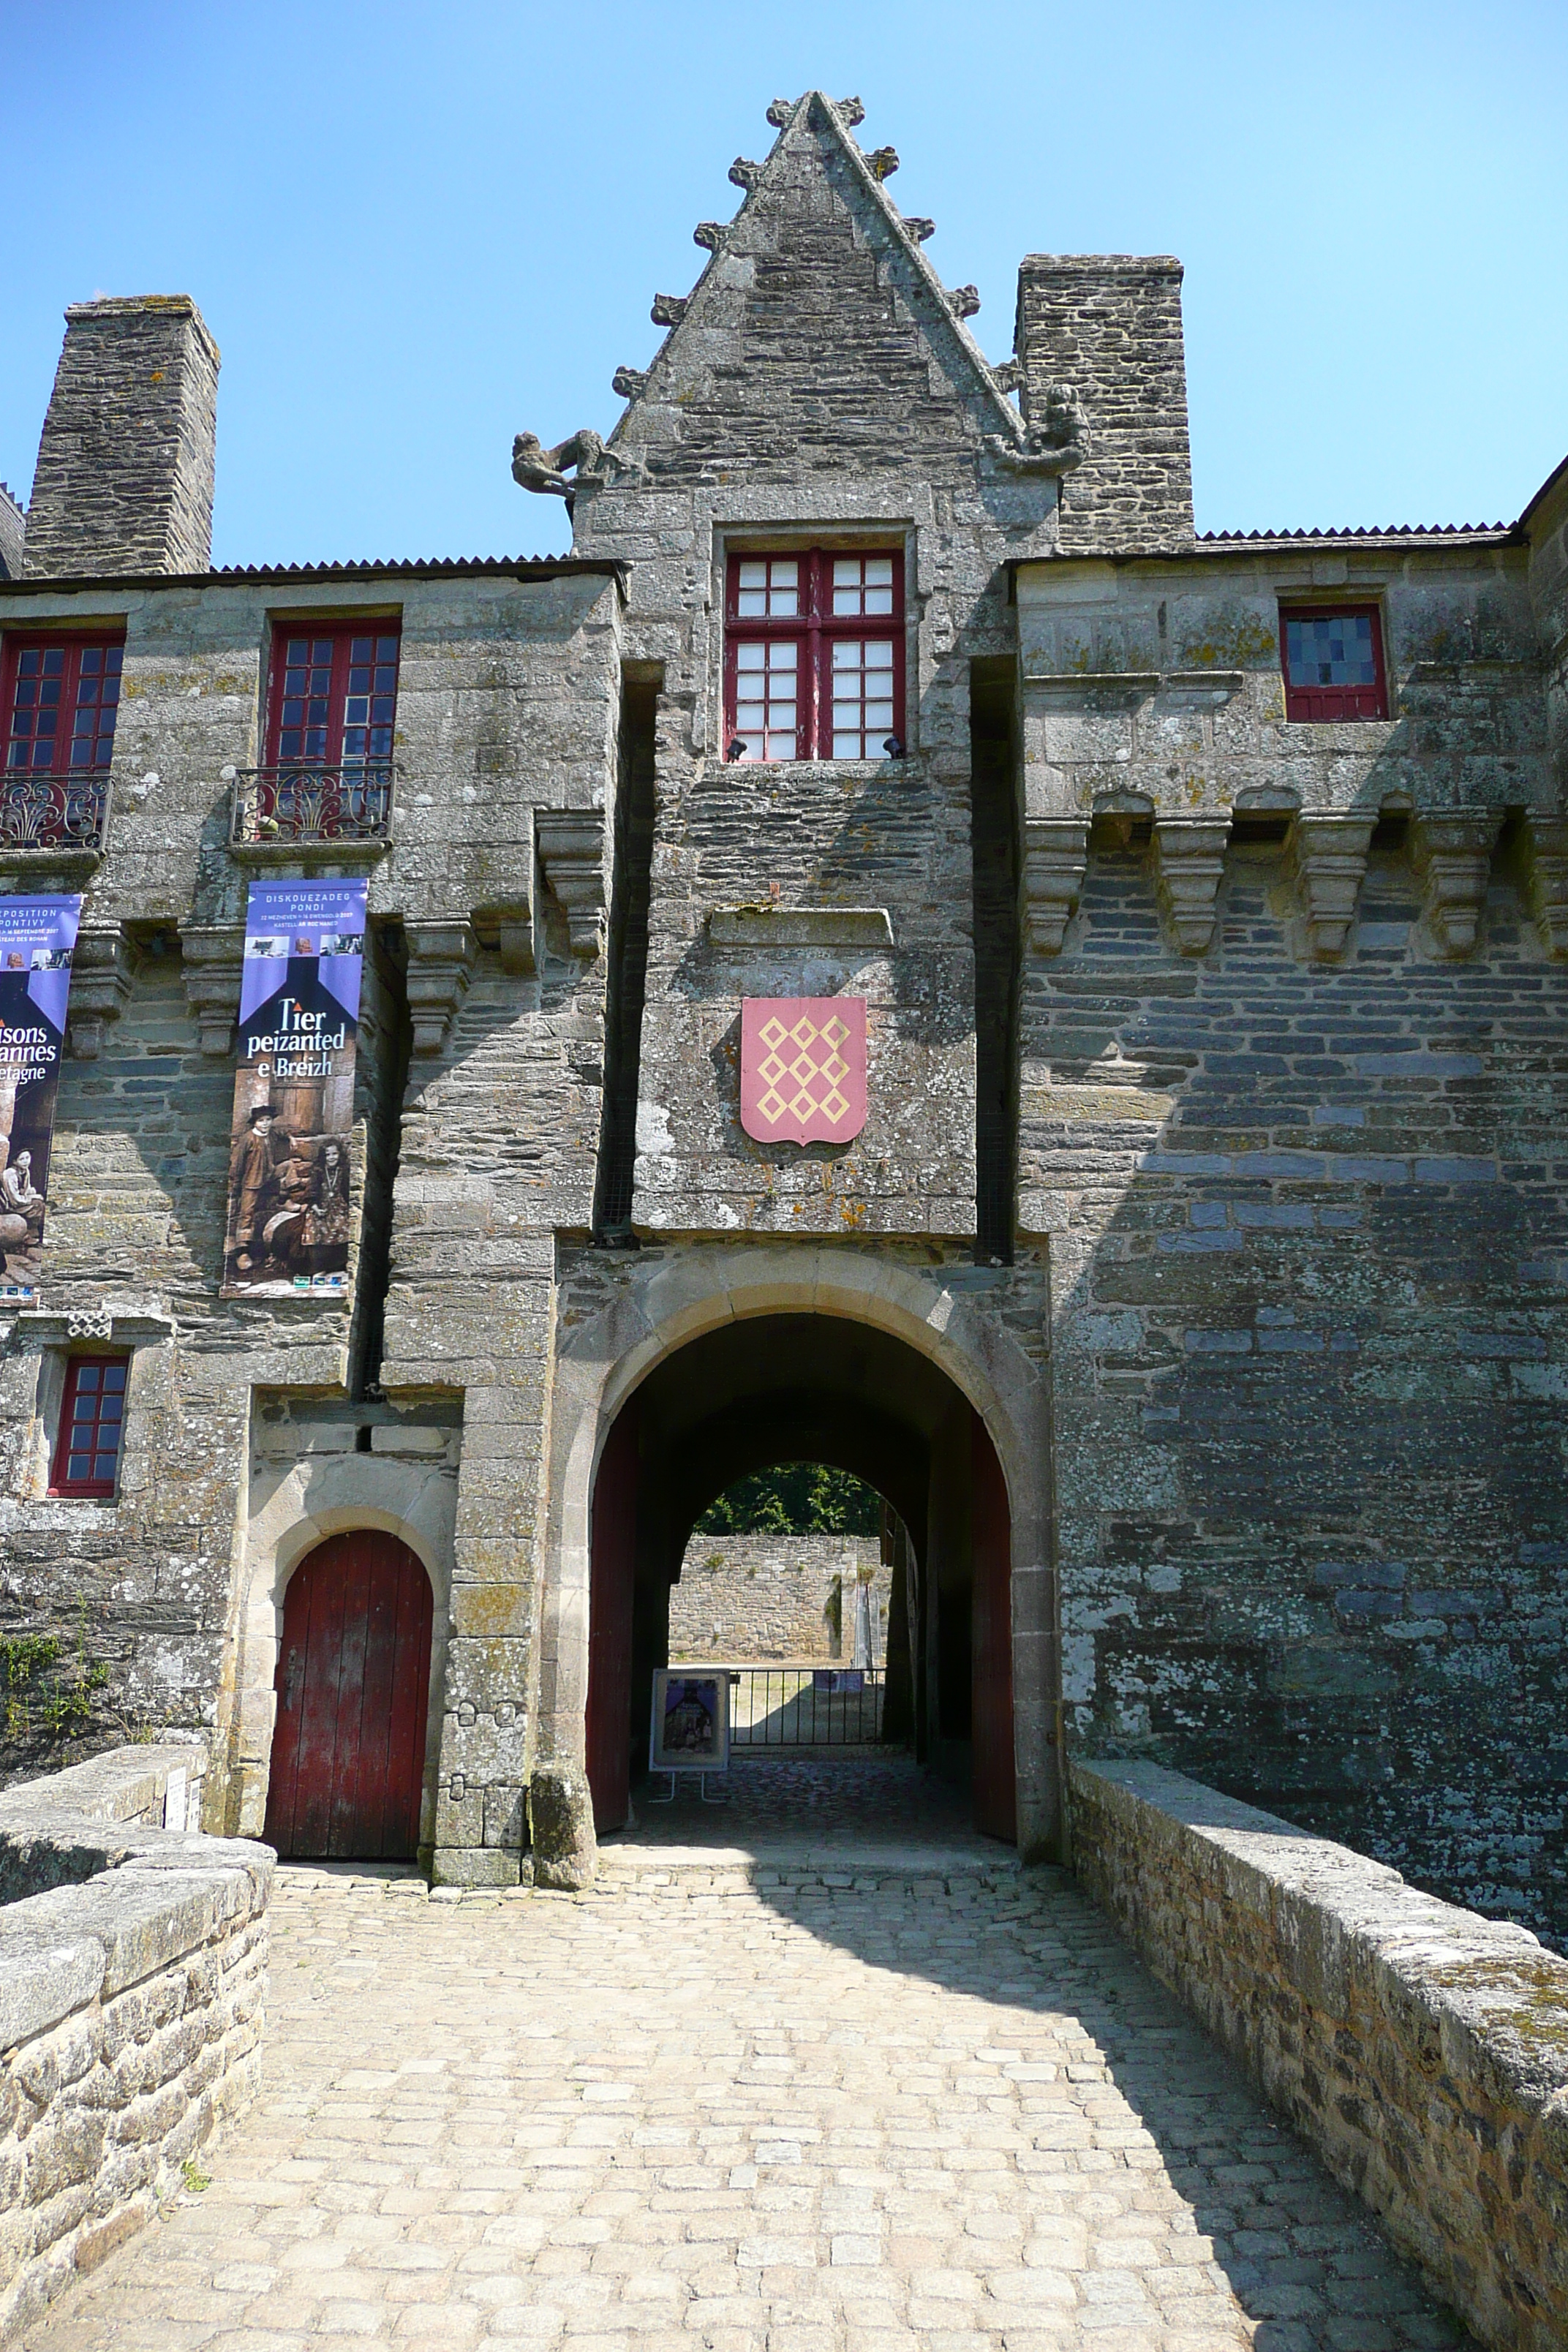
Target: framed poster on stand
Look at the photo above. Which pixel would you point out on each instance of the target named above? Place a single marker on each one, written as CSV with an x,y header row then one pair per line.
x,y
690,1730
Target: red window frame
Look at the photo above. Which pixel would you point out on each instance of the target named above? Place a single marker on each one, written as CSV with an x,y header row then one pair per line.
x,y
816,629
72,650
1320,704
93,1408
334,699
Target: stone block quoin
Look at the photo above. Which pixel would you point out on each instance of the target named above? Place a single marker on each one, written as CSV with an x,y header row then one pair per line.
x,y
1110,325
124,482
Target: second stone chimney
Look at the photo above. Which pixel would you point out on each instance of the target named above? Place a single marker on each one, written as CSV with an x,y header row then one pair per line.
x,y
1110,325
125,467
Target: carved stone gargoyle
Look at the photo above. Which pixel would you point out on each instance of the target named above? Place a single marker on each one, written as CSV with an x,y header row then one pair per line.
x,y
538,469
1054,444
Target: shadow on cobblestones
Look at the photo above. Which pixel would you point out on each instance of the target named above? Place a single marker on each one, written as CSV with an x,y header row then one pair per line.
x,y
724,2103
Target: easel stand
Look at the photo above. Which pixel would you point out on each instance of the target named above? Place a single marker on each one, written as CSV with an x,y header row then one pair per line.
x,y
676,1771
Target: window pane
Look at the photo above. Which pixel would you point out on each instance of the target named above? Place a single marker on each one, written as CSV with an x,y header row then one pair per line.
x,y
1334,649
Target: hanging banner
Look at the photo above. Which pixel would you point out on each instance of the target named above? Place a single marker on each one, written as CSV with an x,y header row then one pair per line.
x,y
36,938
803,1069
294,1089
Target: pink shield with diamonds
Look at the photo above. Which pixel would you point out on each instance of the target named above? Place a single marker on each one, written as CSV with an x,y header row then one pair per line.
x,y
803,1069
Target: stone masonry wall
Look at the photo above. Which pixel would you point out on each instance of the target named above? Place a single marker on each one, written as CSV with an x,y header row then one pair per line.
x,y
124,481
507,710
817,387
1292,1132
1110,324
131,1992
753,1598
1421,2049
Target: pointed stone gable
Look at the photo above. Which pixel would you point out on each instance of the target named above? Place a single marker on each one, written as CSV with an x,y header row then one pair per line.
x,y
818,338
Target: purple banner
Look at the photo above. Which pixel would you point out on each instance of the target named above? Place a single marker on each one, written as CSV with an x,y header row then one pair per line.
x,y
36,938
290,1178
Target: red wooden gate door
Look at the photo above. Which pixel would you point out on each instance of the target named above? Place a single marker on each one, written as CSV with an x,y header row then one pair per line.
x,y
354,1680
994,1777
611,1579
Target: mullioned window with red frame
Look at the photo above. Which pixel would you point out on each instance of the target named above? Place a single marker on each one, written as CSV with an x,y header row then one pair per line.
x,y
334,695
58,700
1332,659
813,654
92,1421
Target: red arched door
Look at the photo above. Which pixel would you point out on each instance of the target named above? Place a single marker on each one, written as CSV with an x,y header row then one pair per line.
x,y
354,1680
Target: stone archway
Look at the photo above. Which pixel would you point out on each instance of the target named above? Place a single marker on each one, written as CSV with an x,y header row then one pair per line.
x,y
940,1315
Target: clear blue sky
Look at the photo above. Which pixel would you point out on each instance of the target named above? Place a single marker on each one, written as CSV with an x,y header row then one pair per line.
x,y
414,228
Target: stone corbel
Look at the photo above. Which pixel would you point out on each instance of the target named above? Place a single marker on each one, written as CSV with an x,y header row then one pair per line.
x,y
1452,853
508,923
440,966
101,966
1329,854
1546,879
571,853
212,957
1190,852
1055,857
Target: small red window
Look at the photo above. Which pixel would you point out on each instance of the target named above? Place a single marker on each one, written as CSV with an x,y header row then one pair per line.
x,y
1333,662
91,1419
813,655
334,696
59,698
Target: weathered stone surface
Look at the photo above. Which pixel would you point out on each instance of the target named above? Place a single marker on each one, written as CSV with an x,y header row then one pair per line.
x,y
124,482
561,1826
743,1598
130,2013
1422,2049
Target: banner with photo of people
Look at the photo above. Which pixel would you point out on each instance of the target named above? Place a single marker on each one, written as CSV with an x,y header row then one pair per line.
x,y
288,1185
36,939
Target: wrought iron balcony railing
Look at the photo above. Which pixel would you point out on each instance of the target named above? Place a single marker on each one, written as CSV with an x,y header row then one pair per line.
x,y
67,812
301,803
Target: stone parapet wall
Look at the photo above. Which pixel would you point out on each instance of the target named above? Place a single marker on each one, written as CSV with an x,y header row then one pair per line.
x,y
131,1995
766,1597
1422,2049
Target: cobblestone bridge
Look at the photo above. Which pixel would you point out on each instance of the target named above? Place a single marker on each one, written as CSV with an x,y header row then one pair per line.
x,y
768,2094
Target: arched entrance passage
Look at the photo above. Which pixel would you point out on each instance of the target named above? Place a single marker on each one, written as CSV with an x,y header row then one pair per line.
x,y
354,1680
808,1387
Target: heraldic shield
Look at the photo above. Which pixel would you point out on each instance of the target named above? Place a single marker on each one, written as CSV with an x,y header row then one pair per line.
x,y
803,1069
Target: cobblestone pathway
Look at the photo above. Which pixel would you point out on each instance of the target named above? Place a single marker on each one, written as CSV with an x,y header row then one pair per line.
x,y
748,2110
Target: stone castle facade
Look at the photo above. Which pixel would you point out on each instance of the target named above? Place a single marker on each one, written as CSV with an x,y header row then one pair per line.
x,y
1194,1290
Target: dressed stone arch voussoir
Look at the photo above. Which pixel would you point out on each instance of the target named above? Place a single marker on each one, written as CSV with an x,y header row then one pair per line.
x,y
940,1314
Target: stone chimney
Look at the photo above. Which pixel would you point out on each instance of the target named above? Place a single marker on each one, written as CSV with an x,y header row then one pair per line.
x,y
12,532
125,467
1110,325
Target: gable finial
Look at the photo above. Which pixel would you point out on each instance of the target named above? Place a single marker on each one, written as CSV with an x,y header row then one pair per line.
x,y
851,111
745,174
